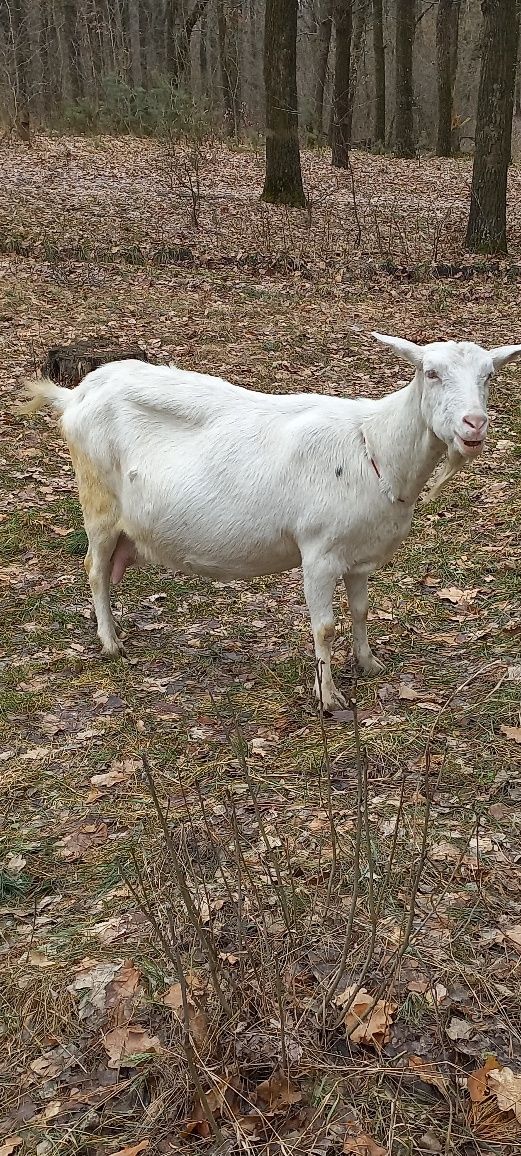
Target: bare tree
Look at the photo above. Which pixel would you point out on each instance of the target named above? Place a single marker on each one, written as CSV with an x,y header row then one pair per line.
x,y
404,125
379,74
283,181
19,35
357,48
447,28
228,32
134,31
324,28
517,107
486,231
341,119
180,25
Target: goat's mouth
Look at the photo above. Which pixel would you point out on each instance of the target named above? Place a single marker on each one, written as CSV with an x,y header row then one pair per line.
x,y
469,448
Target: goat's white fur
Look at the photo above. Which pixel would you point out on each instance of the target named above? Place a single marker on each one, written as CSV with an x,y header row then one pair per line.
x,y
208,478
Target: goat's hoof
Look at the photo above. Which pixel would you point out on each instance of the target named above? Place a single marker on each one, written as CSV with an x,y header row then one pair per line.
x,y
370,665
331,700
113,648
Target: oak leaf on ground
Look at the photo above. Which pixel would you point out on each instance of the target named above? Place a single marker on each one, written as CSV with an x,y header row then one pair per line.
x,y
133,1149
506,1087
277,1092
363,1145
367,1021
132,1040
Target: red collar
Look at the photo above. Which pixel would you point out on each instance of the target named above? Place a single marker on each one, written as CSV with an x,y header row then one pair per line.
x,y
378,474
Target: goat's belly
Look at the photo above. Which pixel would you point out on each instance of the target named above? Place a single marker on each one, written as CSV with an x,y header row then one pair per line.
x,y
225,560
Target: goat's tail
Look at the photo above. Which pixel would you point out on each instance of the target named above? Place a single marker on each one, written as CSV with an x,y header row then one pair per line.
x,y
453,463
41,393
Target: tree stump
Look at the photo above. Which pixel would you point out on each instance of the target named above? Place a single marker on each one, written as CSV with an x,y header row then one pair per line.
x,y
69,364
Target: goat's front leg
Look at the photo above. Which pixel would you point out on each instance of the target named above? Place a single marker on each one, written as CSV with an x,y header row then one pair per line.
x,y
356,586
319,589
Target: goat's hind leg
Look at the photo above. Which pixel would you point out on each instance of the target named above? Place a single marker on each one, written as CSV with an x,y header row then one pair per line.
x,y
101,519
98,564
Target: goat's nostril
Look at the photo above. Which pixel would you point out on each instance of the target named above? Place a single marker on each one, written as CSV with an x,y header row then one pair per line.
x,y
476,421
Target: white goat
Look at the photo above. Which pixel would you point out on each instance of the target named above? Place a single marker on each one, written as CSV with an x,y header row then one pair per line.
x,y
203,477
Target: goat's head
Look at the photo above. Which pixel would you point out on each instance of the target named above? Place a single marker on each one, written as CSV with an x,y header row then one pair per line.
x,y
454,378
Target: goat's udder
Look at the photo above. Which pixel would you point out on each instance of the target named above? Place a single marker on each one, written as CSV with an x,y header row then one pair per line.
x,y
124,555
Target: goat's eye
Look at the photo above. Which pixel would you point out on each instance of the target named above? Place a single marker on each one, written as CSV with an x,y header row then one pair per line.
x,y
431,375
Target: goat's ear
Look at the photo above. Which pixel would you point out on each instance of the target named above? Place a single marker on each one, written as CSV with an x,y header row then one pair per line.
x,y
406,349
503,354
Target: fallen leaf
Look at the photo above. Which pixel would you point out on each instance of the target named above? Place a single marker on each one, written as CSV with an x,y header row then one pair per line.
x,y
110,929
506,1086
436,994
512,733
10,1145
123,1043
410,695
123,987
14,864
134,1149
514,935
277,1092
459,1029
427,1073
419,986
91,983
228,957
45,1066
195,1128
173,998
366,1021
88,835
477,1081
363,1145
39,958
431,1141
455,595
444,850
198,1024
108,779
50,1112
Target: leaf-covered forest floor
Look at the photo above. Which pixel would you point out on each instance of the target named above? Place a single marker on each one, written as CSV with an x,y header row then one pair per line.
x,y
379,852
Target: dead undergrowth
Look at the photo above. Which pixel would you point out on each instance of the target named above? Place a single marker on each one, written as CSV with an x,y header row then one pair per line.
x,y
226,924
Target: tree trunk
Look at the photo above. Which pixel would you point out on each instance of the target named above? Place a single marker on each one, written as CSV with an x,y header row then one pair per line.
x,y
340,121
283,181
486,231
203,54
359,22
517,109
88,76
134,32
379,74
405,24
150,14
179,51
325,23
37,79
228,30
21,54
447,28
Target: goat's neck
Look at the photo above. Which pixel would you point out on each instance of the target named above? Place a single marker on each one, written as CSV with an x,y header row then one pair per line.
x,y
400,445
